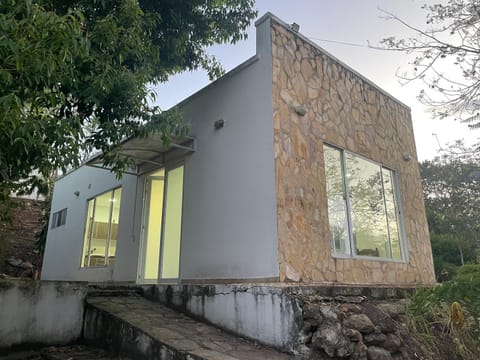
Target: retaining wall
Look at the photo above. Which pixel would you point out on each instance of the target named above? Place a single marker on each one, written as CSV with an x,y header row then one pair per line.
x,y
34,312
271,314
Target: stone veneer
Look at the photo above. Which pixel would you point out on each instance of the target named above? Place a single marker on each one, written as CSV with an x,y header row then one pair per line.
x,y
345,110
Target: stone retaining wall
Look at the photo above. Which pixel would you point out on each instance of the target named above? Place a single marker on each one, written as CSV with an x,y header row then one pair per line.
x,y
313,322
355,327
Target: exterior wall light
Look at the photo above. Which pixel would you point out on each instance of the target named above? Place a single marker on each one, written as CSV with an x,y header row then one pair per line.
x,y
407,157
219,124
76,193
300,110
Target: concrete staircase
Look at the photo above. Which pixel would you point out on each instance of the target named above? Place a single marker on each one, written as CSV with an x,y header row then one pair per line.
x,y
129,325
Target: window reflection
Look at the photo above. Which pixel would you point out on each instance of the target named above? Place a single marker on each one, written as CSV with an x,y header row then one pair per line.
x,y
337,206
371,207
101,230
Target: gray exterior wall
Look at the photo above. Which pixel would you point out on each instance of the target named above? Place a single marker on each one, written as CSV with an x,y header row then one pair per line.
x,y
65,243
229,228
229,223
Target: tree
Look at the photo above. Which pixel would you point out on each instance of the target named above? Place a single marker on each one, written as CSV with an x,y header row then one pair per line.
x,y
76,75
451,187
446,58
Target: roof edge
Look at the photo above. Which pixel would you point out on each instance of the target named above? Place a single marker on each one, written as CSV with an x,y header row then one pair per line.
x,y
287,27
228,74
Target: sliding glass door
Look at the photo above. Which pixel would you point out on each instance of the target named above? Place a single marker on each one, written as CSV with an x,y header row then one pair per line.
x,y
162,223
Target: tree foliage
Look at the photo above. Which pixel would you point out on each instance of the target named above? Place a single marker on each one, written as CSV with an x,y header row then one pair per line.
x,y
77,75
451,186
446,58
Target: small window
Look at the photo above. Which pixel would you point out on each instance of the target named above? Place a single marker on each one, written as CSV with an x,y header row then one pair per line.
x,y
101,229
363,207
59,218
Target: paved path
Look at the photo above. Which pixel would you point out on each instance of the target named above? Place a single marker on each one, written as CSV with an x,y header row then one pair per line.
x,y
74,352
181,332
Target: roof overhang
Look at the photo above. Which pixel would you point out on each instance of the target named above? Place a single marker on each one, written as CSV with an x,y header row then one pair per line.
x,y
149,153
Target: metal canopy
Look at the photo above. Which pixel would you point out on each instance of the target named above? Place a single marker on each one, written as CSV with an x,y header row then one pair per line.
x,y
149,153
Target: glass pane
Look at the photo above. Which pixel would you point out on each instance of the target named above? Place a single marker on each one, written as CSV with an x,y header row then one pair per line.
x,y
337,206
112,245
173,224
392,213
154,226
369,220
100,231
88,227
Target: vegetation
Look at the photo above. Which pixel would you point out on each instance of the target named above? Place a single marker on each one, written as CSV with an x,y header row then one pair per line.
x,y
76,75
446,58
451,186
448,316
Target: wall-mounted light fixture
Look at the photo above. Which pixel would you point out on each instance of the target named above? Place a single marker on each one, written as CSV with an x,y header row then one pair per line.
x,y
219,124
407,157
300,110
76,193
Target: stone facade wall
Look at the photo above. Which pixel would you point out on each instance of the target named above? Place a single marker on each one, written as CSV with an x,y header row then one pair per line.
x,y
345,110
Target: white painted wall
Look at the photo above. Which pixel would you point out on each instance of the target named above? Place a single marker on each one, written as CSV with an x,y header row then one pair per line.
x,y
264,313
229,214
229,226
65,243
49,313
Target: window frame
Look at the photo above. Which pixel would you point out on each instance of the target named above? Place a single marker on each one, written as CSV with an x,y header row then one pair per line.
x,y
60,214
87,201
352,253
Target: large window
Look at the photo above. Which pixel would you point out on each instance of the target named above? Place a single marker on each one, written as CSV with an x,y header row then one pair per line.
x,y
101,229
363,209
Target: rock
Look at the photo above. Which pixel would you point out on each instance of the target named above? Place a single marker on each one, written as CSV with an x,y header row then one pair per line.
x,y
359,322
14,262
312,315
349,299
331,340
27,265
359,352
354,335
394,310
392,343
379,318
377,353
307,327
350,308
292,275
375,339
328,313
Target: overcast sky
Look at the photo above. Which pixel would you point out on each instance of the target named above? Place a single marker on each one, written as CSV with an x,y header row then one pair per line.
x,y
349,21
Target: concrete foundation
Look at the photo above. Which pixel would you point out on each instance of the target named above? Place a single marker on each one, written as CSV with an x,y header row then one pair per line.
x,y
270,314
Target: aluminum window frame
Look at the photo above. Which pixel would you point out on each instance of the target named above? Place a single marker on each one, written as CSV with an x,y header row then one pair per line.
x,y
86,227
398,203
59,218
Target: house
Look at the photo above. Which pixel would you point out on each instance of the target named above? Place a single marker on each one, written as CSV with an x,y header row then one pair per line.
x,y
297,169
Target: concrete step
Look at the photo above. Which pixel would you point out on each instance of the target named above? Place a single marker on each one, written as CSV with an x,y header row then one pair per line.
x,y
142,329
110,290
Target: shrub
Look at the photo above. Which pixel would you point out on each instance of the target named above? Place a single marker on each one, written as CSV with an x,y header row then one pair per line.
x,y
450,312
